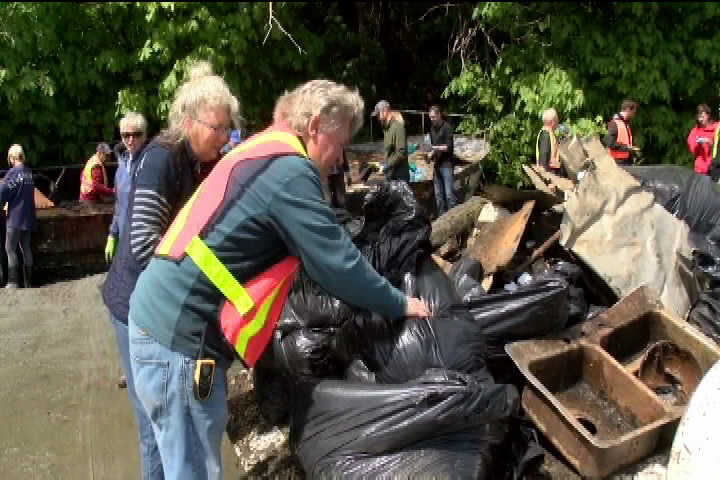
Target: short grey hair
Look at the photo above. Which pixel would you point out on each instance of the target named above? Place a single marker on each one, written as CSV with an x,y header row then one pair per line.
x,y
133,119
202,91
549,115
332,101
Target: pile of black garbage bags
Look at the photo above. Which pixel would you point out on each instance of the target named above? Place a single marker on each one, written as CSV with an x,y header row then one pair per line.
x,y
368,397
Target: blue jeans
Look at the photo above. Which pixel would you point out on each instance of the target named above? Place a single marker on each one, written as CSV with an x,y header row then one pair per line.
x,y
189,432
151,463
443,179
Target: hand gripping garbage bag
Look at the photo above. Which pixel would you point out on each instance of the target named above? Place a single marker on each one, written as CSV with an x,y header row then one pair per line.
x,y
438,426
396,233
449,339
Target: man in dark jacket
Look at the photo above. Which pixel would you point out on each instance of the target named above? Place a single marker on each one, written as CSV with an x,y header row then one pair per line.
x,y
441,142
619,139
396,159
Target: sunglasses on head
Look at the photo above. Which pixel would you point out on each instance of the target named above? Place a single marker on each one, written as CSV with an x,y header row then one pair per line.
x,y
127,135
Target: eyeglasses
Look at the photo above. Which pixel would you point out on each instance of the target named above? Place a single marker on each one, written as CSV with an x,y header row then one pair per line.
x,y
220,129
126,135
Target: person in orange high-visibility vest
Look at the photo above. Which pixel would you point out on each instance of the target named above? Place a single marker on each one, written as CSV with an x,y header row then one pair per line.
x,y
218,280
619,138
94,179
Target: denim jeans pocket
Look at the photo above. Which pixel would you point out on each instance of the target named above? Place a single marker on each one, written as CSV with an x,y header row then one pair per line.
x,y
151,381
150,365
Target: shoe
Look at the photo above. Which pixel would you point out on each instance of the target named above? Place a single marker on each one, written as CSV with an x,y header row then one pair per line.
x,y
122,382
13,278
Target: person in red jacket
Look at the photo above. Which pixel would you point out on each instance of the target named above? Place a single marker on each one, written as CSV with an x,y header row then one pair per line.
x,y
700,140
94,179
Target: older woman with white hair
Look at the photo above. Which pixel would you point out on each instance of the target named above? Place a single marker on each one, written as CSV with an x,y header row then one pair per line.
x,y
17,190
172,166
219,278
133,134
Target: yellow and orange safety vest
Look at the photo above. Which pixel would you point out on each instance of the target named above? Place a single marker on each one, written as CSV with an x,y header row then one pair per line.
x,y
251,311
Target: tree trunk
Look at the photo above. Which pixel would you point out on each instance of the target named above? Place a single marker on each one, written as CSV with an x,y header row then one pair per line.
x,y
459,220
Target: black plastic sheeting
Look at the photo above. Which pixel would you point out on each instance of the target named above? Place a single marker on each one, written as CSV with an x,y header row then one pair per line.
x,y
441,425
689,196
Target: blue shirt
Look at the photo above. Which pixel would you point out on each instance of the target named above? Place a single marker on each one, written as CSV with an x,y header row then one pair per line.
x,y
127,165
18,191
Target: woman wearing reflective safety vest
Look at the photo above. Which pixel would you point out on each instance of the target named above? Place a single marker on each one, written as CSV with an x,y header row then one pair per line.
x,y
219,277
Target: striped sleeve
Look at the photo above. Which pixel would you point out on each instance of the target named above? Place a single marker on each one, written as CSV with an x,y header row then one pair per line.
x,y
149,221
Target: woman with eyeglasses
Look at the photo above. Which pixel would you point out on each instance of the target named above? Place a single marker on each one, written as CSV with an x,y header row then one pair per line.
x,y
133,128
171,167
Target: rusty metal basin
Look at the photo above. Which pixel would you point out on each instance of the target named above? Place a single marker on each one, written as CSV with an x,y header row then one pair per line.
x,y
637,339
594,412
635,331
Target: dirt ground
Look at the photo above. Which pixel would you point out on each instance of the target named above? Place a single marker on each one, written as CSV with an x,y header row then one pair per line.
x,y
63,416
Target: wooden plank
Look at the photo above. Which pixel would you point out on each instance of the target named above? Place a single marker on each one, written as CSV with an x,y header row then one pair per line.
x,y
497,242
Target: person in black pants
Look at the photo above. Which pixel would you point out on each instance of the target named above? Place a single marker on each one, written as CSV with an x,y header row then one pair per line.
x,y
441,141
18,192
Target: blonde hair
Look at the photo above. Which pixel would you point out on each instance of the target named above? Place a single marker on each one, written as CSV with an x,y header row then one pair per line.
x,y
334,102
133,119
202,91
549,115
15,154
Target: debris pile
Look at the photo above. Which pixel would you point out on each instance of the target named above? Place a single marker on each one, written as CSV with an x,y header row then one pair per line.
x,y
558,319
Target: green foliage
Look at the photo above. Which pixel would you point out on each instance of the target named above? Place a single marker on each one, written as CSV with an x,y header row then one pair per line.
x,y
68,71
583,59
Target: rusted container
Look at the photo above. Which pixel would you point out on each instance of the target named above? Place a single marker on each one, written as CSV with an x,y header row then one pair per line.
x,y
644,360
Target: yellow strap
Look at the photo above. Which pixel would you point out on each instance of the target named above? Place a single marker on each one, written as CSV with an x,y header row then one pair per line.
x,y
219,275
257,323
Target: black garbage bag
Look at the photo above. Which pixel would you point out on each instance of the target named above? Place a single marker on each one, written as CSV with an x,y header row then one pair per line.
x,y
308,352
396,233
312,307
359,372
689,196
531,311
705,313
444,422
449,339
272,393
466,275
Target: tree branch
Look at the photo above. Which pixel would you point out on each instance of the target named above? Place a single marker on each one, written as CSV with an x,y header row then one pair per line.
x,y
272,19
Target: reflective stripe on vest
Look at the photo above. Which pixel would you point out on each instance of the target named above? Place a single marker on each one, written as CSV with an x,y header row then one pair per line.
x,y
554,154
715,142
86,183
624,137
250,313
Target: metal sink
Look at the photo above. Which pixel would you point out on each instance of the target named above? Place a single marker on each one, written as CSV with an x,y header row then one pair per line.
x,y
601,391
